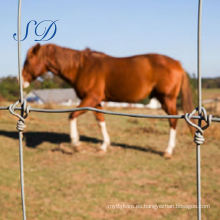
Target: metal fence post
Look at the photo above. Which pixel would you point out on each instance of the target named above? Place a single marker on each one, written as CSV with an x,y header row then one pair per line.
x,y
22,112
198,156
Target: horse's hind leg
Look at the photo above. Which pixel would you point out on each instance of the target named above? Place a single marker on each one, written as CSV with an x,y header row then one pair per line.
x,y
106,139
169,105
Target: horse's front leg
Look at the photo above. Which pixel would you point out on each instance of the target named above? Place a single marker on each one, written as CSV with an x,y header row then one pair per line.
x,y
74,135
89,101
101,121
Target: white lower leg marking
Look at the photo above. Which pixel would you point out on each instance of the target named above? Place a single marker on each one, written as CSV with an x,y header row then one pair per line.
x,y
172,141
106,139
73,132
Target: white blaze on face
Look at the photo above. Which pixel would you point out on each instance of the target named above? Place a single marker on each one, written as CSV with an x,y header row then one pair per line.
x,y
26,84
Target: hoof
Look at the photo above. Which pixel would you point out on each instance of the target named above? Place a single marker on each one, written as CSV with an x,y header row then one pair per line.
x,y
65,150
167,155
76,149
101,151
75,143
104,147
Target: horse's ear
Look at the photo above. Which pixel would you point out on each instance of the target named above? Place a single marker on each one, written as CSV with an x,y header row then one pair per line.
x,y
35,48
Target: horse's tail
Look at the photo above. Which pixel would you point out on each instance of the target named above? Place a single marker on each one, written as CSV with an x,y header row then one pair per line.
x,y
187,97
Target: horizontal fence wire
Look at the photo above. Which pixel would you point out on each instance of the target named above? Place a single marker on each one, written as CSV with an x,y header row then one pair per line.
x,y
214,119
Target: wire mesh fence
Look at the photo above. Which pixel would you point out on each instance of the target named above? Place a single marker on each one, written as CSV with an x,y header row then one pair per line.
x,y
199,113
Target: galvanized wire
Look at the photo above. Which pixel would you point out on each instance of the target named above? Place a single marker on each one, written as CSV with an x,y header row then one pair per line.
x,y
20,122
198,156
41,110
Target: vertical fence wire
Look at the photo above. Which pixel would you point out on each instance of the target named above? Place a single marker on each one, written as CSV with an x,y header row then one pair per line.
x,y
22,112
198,156
199,80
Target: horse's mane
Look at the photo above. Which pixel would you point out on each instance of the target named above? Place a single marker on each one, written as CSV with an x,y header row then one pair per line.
x,y
66,56
89,52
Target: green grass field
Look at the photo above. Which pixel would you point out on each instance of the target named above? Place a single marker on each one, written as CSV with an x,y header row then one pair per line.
x,y
87,185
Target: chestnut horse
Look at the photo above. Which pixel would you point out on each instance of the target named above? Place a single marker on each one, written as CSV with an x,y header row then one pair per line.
x,y
98,77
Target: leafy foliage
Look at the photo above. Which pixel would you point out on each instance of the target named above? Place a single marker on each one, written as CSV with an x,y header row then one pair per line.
x,y
211,83
9,88
48,81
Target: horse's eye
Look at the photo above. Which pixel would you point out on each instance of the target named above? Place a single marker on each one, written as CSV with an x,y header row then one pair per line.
x,y
26,62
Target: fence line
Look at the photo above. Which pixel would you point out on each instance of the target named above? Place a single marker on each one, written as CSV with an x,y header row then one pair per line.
x,y
202,115
40,110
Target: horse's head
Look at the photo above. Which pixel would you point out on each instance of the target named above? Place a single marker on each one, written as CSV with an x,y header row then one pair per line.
x,y
34,65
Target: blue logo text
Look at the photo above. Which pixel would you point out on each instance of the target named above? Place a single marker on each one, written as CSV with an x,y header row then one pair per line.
x,y
44,30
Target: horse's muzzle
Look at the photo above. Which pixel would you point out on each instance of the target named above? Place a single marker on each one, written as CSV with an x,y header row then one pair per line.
x,y
26,84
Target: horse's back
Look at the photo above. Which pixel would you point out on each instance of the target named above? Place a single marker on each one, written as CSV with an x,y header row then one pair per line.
x,y
133,78
168,74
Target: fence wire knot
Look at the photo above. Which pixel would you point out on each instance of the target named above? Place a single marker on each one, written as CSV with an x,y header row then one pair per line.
x,y
25,108
198,138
